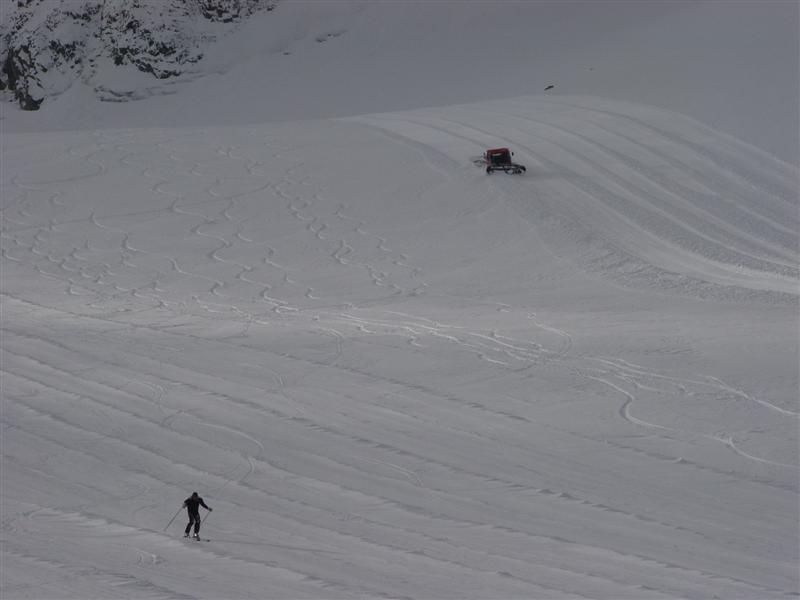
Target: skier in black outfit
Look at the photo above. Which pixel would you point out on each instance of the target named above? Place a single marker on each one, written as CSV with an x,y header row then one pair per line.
x,y
193,504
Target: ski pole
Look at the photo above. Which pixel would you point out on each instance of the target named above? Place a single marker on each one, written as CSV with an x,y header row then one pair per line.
x,y
173,518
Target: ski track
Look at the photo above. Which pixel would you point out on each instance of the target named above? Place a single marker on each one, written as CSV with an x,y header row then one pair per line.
x,y
227,477
367,480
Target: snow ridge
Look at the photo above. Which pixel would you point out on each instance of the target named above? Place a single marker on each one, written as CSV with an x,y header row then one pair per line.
x,y
648,198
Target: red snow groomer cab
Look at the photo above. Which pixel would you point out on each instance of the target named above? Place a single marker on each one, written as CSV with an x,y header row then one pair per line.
x,y
499,159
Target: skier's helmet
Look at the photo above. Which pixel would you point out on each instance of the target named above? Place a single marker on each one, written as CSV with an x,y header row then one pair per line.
x,y
194,494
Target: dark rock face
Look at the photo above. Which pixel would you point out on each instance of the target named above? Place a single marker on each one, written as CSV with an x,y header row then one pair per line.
x,y
47,46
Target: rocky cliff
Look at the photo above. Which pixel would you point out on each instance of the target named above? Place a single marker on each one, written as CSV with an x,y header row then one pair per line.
x,y
123,49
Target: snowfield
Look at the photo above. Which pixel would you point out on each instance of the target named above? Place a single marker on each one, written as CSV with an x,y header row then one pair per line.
x,y
391,375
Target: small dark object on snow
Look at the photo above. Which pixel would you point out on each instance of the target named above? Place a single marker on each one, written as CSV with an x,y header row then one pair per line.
x,y
549,87
499,159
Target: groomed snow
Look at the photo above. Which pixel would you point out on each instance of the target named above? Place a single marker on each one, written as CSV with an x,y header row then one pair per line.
x,y
389,374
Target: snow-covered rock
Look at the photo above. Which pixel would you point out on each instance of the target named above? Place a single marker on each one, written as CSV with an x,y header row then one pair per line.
x,y
123,49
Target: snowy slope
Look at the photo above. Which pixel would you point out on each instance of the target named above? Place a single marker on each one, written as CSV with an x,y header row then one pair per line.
x,y
390,374
731,64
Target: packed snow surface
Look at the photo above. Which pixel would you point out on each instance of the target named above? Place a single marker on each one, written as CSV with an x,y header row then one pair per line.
x,y
392,375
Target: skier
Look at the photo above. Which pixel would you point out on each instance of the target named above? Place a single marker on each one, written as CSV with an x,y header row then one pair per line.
x,y
192,505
